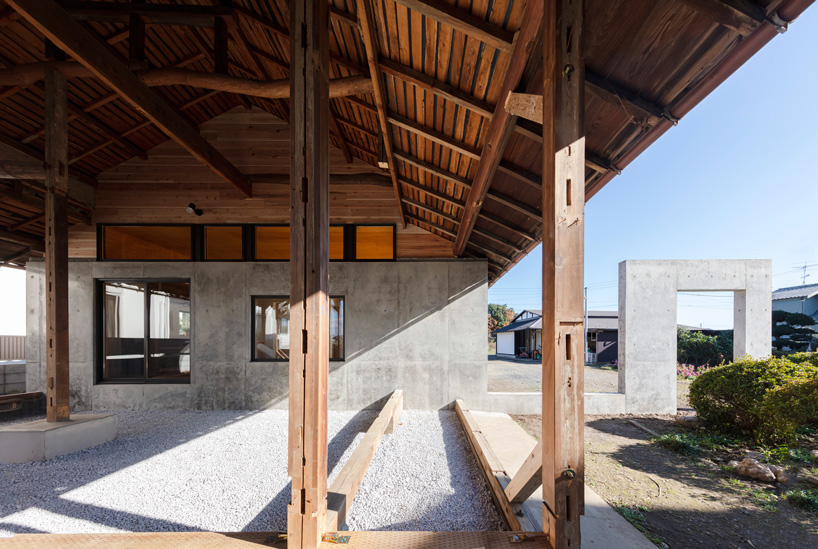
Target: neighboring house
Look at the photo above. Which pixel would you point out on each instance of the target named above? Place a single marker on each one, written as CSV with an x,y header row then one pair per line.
x,y
797,299
603,336
522,336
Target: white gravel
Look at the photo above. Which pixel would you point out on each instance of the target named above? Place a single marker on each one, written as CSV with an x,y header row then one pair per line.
x,y
227,471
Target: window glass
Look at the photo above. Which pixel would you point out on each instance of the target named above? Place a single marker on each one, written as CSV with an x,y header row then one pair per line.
x,y
223,243
271,321
123,354
147,243
271,328
273,243
169,337
375,242
336,243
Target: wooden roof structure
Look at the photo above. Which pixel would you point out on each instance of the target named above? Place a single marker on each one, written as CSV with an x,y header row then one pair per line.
x,y
426,80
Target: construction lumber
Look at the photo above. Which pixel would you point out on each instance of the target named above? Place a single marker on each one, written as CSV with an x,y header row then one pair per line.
x,y
309,273
26,222
56,246
502,123
5,261
346,484
366,22
525,105
493,471
563,231
28,74
528,478
464,21
58,26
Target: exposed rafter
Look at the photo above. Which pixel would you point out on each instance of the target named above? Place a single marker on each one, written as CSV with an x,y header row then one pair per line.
x,y
741,16
502,124
433,135
47,17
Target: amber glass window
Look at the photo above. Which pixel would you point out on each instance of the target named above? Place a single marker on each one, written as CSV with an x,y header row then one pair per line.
x,y
273,243
271,328
223,243
146,328
375,242
336,243
146,242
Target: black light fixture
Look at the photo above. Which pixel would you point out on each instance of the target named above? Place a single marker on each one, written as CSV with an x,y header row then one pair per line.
x,y
192,209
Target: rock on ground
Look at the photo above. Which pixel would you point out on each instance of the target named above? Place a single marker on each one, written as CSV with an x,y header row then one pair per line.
x,y
753,469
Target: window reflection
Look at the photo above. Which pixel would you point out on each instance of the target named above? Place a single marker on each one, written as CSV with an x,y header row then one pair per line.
x,y
169,338
124,344
271,328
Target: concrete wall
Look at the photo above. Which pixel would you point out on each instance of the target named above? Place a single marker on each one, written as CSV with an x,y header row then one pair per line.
x,y
418,326
647,325
12,377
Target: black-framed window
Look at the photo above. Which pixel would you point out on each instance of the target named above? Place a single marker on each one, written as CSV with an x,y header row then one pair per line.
x,y
144,330
271,334
236,242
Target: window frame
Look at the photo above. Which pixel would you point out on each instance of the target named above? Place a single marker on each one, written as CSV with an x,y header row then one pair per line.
x,y
99,333
201,238
354,240
195,246
253,299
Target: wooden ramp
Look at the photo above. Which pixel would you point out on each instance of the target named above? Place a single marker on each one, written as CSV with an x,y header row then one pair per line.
x,y
251,540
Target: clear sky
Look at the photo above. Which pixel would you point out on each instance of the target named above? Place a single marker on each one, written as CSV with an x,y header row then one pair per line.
x,y
734,180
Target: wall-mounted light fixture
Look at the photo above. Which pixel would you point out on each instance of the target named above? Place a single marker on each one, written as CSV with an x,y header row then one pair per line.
x,y
192,209
383,162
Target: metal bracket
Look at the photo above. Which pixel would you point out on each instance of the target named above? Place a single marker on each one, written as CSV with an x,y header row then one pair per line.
x,y
670,118
775,20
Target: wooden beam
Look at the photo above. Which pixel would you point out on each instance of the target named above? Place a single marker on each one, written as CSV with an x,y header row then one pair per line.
x,y
431,134
56,246
309,274
499,240
741,16
433,193
508,225
336,129
528,478
76,208
366,22
4,262
136,42
154,14
502,123
221,42
431,210
514,204
23,239
623,98
563,209
359,128
346,484
26,222
31,152
520,174
437,87
525,105
15,169
533,131
433,169
51,20
493,471
463,21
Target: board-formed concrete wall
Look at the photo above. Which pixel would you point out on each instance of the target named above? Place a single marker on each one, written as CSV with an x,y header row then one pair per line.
x,y
647,325
419,326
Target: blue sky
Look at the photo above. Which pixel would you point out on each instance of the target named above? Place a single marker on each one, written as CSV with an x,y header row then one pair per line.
x,y
734,180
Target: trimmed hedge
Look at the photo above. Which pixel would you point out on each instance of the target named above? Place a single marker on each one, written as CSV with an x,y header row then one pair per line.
x,y
767,399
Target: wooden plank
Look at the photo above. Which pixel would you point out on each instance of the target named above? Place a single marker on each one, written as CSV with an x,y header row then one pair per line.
x,y
525,105
623,98
563,265
502,123
366,22
50,19
514,204
16,255
432,169
309,273
433,135
492,470
201,16
463,21
346,484
741,16
526,481
56,247
27,222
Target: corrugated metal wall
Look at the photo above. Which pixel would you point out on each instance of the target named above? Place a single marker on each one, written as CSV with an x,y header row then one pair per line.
x,y
12,347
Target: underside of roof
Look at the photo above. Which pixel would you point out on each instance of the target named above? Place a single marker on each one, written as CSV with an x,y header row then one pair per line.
x,y
443,68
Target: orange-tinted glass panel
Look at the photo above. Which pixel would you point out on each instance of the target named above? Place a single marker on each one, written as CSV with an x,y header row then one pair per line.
x,y
223,243
375,242
336,243
273,243
146,243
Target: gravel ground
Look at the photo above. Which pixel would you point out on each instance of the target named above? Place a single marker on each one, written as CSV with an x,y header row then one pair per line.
x,y
226,471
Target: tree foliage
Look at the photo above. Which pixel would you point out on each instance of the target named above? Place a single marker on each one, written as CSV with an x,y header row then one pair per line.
x,y
499,316
792,332
700,349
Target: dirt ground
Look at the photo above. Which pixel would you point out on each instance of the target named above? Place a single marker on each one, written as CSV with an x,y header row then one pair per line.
x,y
685,501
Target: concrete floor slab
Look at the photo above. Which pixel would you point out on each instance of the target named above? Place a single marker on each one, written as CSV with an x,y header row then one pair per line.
x,y
40,440
601,525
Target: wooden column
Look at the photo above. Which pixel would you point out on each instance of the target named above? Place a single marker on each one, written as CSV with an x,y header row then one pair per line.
x,y
563,268
56,245
309,272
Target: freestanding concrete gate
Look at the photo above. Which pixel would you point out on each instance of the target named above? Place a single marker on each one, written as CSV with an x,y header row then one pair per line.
x,y
647,325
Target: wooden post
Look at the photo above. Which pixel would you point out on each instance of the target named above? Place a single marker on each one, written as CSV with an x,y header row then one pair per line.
x,y
309,272
56,245
563,268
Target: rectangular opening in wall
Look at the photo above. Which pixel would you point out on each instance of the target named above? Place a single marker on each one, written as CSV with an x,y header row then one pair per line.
x,y
704,331
375,242
169,337
223,243
271,328
336,328
123,320
146,243
273,243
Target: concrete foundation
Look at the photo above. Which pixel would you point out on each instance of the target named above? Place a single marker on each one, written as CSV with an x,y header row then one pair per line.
x,y
419,326
647,325
40,440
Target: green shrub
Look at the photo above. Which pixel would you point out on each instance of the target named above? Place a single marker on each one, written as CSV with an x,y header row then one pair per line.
x,y
793,405
731,397
804,499
804,358
681,443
